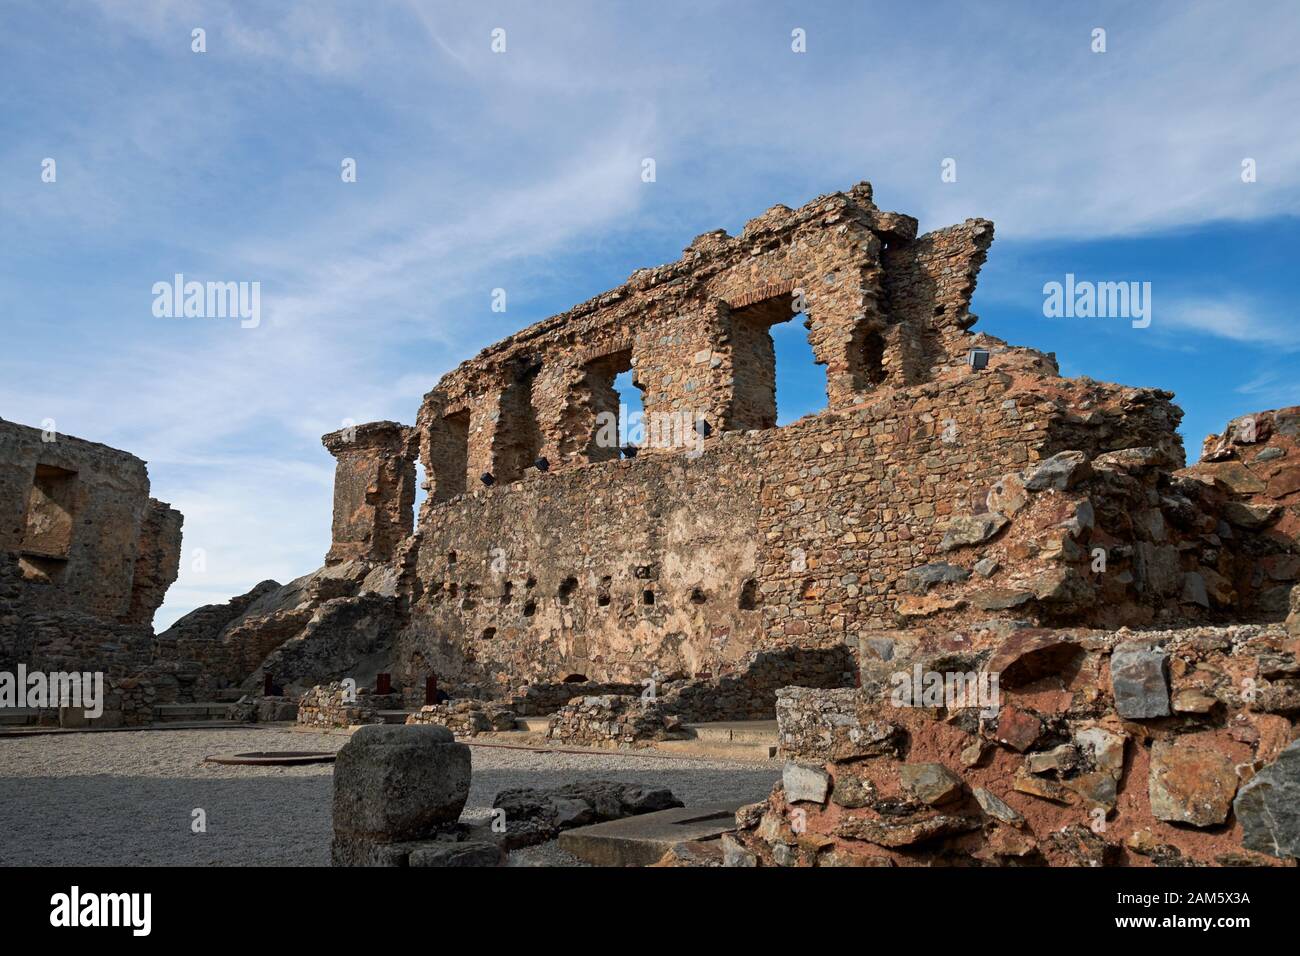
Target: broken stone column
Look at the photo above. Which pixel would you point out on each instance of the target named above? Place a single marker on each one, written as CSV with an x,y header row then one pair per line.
x,y
399,790
374,491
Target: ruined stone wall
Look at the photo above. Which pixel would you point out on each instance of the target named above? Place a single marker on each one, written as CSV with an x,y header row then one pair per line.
x,y
86,555
87,536
695,335
798,536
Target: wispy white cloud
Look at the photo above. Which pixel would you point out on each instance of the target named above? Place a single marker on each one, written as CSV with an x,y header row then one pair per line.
x,y
1234,319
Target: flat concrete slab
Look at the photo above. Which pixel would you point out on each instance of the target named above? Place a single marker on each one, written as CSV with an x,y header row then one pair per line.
x,y
644,839
736,731
533,725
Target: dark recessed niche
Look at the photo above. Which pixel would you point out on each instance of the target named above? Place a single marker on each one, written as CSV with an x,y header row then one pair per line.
x,y
749,595
698,596
530,608
488,633
567,587
647,596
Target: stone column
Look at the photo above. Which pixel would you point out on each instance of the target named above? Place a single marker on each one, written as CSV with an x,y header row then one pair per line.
x,y
374,491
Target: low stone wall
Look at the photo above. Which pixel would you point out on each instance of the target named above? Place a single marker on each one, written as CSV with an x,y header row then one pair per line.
x,y
263,710
539,700
331,707
612,720
1098,748
466,718
750,694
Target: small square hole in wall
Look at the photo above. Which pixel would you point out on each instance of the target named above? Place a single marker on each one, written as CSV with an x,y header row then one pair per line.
x,y
530,608
647,596
567,587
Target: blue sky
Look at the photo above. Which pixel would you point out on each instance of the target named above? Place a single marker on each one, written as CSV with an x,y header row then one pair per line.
x,y
521,170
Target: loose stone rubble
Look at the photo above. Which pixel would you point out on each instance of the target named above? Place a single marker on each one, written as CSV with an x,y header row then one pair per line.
x,y
1175,749
960,517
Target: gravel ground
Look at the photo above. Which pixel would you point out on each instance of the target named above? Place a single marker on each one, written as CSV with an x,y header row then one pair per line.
x,y
117,799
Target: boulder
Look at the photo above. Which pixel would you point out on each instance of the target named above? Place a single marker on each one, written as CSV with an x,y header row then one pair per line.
x,y
396,784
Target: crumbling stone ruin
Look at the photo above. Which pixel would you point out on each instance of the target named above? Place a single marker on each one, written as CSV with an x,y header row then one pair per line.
x,y
86,556
958,507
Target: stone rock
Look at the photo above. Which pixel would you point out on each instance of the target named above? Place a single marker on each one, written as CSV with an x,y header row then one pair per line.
x,y
852,792
692,853
804,783
1008,496
784,855
986,567
1190,700
735,854
920,580
1189,783
750,815
1017,728
1102,749
964,530
457,854
1139,680
931,783
1079,846
908,833
535,816
1250,516
1000,599
998,809
1097,789
1062,471
913,606
1042,788
395,784
1194,591
1293,618
1268,807
1239,479
1058,759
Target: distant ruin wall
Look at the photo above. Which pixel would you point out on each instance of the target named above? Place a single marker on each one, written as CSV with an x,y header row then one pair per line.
x,y
86,556
79,518
798,536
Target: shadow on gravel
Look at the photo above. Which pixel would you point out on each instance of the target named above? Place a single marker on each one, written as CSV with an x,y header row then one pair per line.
x,y
136,821
259,821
